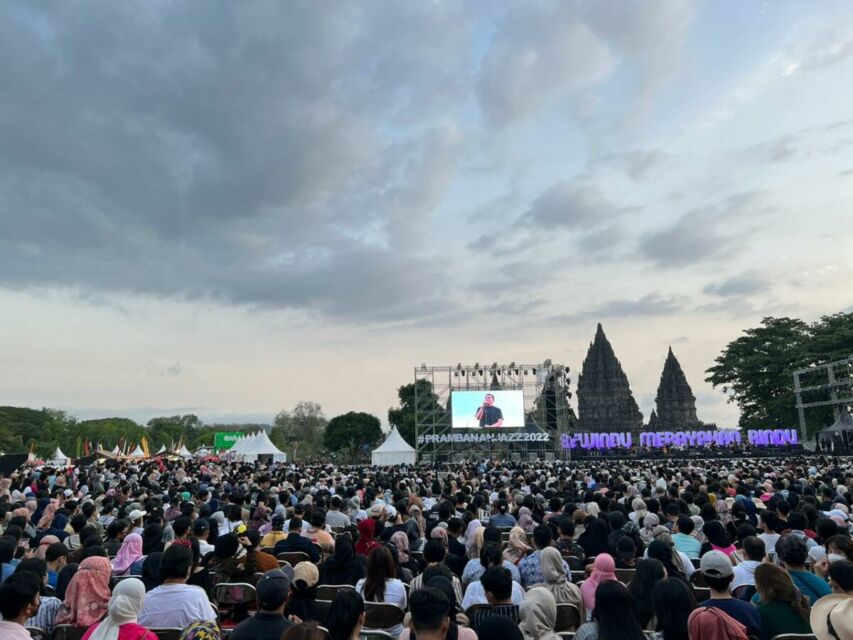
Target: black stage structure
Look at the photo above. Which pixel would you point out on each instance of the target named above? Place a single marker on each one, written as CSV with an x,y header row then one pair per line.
x,y
547,411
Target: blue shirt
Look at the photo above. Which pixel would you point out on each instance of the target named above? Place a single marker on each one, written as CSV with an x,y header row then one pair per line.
x,y
741,611
810,585
689,545
502,520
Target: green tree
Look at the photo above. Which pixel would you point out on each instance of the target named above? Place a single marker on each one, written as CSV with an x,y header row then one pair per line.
x,y
353,432
300,430
756,370
107,432
403,417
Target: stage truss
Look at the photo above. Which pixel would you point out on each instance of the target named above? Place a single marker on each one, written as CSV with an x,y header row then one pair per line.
x,y
546,393
836,392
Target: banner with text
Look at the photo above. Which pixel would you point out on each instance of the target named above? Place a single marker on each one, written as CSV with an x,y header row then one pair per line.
x,y
686,439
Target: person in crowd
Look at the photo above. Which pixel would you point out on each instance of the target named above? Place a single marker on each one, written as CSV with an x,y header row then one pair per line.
x,y
768,523
530,568
276,535
346,616
718,573
538,615
20,598
497,627
455,529
490,556
151,571
175,603
401,543
502,518
343,566
718,539
434,557
44,543
517,547
201,630
135,521
122,613
272,593
649,572
366,542
497,583
683,540
317,534
594,538
56,557
832,618
88,593
566,543
711,623
233,559
753,552
430,619
840,576
263,561
474,568
201,533
559,582
128,561
781,606
116,532
49,606
603,569
792,551
381,585
673,602
334,518
613,617
303,593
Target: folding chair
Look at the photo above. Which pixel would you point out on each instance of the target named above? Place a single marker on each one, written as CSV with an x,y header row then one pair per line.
x,y
233,599
36,633
381,615
375,635
293,557
329,591
68,632
625,575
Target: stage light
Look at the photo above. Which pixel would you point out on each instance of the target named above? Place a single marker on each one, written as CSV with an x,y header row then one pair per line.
x,y
455,374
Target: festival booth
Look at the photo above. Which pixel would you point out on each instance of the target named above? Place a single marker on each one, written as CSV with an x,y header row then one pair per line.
x,y
256,448
184,452
837,437
137,453
393,451
59,459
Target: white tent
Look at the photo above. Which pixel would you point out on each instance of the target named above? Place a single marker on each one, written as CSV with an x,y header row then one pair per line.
x,y
116,450
261,448
393,451
162,449
184,452
59,458
137,453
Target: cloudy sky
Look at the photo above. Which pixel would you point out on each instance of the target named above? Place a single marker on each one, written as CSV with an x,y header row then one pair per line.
x,y
229,207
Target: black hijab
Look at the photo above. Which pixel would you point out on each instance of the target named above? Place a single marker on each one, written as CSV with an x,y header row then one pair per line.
x,y
151,570
343,567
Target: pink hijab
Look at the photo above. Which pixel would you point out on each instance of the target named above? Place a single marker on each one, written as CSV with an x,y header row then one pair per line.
x,y
88,594
603,569
47,515
130,552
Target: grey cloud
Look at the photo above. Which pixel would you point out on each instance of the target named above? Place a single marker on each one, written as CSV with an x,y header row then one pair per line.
x,y
636,163
827,50
777,150
845,174
571,205
237,152
652,304
537,56
706,234
743,284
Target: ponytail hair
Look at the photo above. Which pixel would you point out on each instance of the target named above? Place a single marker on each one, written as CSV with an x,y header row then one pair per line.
x,y
774,584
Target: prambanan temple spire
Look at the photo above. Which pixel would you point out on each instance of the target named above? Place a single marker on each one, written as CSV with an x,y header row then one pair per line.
x,y
676,404
605,401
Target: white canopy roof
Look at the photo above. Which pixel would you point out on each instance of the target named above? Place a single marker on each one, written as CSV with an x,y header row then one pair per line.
x,y
261,445
137,453
184,452
162,449
395,450
58,456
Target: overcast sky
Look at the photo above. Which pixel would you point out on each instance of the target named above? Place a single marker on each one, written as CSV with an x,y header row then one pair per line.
x,y
227,208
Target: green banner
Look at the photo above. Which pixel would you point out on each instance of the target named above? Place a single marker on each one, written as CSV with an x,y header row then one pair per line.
x,y
225,439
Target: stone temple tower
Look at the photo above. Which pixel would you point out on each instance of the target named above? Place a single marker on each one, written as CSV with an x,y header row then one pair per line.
x,y
605,401
676,404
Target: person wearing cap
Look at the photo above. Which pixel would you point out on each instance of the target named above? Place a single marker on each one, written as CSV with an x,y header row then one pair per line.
x,y
272,593
201,532
175,603
717,569
303,593
135,518
295,541
832,618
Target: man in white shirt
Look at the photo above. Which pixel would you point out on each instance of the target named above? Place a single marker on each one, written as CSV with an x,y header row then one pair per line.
x,y
753,549
175,603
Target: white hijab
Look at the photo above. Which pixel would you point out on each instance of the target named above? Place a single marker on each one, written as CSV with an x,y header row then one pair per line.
x,y
125,605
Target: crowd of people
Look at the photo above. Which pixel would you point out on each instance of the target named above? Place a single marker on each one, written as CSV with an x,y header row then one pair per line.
x,y
644,549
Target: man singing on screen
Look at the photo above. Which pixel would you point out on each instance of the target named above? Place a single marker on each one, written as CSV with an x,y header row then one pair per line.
x,y
488,414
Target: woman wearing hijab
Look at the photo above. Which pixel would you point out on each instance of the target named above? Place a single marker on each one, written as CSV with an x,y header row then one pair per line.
x,y
639,511
414,528
517,548
525,520
88,593
401,541
650,521
668,557
343,566
57,527
46,515
613,617
473,539
129,559
558,582
594,538
152,538
603,569
538,615
366,542
122,612
151,571
440,533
